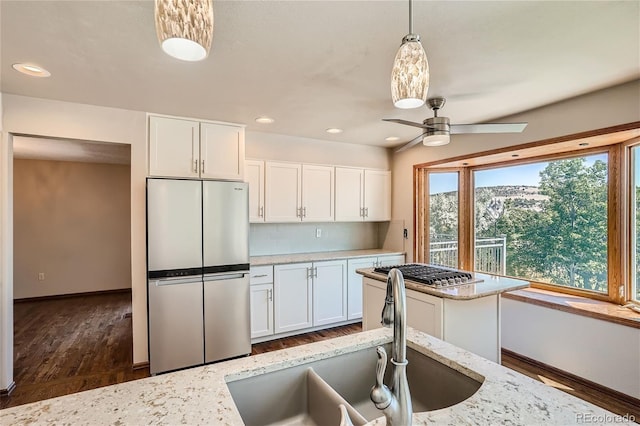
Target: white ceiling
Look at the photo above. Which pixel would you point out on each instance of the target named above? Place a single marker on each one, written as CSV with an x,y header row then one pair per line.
x,y
318,64
30,148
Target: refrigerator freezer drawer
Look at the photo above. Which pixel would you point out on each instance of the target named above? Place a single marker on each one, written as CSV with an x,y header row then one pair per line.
x,y
227,319
175,324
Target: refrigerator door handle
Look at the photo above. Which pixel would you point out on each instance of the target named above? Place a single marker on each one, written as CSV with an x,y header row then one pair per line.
x,y
176,281
220,277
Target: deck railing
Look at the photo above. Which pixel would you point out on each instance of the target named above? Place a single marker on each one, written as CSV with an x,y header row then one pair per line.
x,y
490,253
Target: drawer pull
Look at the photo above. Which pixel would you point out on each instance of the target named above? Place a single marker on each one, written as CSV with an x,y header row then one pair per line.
x,y
259,276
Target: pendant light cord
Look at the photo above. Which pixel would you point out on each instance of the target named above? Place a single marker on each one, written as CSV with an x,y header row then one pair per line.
x,y
410,17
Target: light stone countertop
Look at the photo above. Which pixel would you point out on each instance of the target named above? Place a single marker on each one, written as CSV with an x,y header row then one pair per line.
x,y
490,285
200,396
318,256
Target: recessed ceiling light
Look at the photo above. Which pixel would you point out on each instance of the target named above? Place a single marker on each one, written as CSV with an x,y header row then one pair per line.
x,y
583,144
32,70
465,164
392,138
515,155
265,120
334,130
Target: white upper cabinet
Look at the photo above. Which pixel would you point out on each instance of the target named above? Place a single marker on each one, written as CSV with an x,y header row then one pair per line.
x,y
174,147
317,193
298,192
254,175
362,194
377,195
283,192
221,151
349,194
192,149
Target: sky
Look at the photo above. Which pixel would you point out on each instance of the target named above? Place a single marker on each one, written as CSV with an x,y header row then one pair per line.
x,y
525,174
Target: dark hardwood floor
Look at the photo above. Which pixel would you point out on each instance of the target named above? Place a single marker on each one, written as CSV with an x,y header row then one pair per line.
x,y
73,344
68,345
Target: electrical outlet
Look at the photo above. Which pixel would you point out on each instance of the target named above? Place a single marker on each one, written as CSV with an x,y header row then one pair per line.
x,y
318,232
40,276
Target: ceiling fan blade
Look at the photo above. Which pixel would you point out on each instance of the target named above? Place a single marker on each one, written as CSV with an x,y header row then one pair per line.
x,y
411,143
408,123
488,128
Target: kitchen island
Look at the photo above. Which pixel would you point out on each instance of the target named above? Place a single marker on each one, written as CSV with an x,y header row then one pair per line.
x,y
466,315
200,395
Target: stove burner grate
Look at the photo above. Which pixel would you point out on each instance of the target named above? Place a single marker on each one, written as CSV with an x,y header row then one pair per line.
x,y
436,276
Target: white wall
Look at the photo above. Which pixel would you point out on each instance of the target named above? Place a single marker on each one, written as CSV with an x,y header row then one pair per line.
x,y
71,222
41,117
272,146
604,108
600,351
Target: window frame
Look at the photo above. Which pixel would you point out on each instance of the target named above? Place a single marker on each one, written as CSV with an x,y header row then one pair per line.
x,y
619,238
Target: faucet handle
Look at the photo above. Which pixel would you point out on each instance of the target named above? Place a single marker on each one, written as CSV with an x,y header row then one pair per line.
x,y
380,393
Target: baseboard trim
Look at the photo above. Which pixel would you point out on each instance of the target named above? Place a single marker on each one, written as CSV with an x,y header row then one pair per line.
x,y
612,393
8,390
140,365
69,295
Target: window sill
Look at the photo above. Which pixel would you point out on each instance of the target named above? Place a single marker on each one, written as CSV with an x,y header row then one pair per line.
x,y
578,305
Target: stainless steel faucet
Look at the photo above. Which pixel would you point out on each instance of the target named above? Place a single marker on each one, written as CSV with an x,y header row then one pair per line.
x,y
395,402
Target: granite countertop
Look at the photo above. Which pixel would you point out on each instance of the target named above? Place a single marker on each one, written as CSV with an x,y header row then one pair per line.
x,y
318,256
490,285
200,395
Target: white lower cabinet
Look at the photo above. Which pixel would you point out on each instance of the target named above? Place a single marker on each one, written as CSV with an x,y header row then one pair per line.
x,y
261,310
354,280
329,292
293,294
261,300
472,324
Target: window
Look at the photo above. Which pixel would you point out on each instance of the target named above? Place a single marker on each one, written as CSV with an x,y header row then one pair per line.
x,y
544,221
562,213
635,223
443,219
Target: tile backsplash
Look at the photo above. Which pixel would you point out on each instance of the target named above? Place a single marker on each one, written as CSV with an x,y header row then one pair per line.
x,y
289,238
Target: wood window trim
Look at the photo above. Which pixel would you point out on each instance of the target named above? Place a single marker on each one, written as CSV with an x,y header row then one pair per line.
x,y
614,140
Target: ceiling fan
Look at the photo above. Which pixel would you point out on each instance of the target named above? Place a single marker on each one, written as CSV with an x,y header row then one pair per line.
x,y
436,130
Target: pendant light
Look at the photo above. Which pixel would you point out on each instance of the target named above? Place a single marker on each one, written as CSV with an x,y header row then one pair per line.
x,y
410,73
185,27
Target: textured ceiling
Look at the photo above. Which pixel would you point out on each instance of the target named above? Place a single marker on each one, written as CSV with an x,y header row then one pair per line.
x,y
313,65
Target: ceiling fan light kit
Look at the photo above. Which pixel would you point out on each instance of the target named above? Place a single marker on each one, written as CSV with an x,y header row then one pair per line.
x,y
436,131
185,28
410,72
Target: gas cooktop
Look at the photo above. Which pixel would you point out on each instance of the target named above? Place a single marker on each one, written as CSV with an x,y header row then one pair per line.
x,y
436,276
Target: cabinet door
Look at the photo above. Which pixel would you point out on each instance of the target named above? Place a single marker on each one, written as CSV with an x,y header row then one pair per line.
x,y
282,192
377,195
391,260
349,186
173,147
354,285
221,151
292,288
329,292
254,175
373,295
261,310
317,193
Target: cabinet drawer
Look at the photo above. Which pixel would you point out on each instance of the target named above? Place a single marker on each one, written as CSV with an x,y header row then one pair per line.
x,y
261,274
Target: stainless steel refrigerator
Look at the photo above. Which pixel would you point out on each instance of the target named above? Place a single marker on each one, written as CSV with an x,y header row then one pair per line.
x,y
198,271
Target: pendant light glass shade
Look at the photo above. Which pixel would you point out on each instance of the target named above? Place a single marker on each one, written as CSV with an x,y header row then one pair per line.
x,y
410,76
185,27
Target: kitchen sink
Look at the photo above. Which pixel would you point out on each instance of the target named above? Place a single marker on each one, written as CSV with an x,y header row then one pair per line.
x,y
310,394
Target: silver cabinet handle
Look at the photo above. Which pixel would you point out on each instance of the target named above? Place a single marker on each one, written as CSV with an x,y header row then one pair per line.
x,y
361,211
366,212
258,276
309,273
261,213
315,272
195,166
304,212
202,167
299,212
270,294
